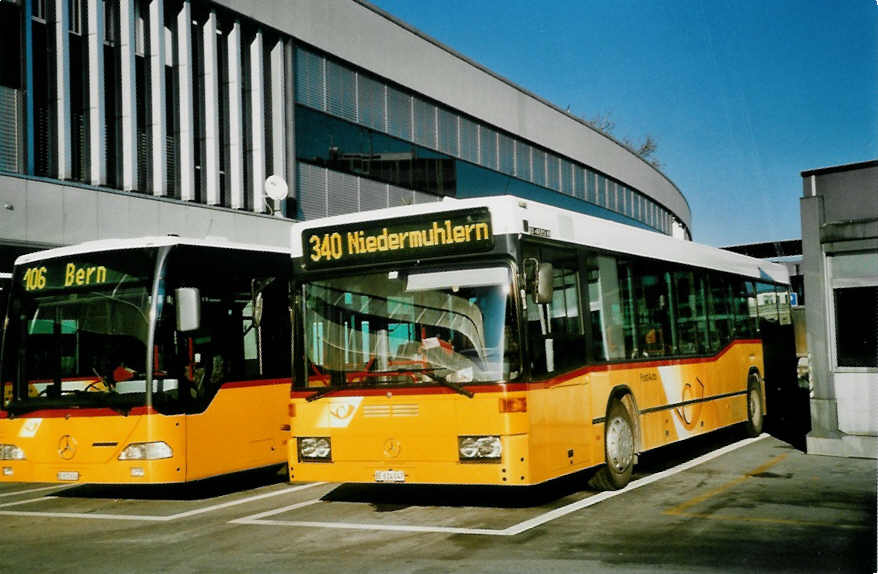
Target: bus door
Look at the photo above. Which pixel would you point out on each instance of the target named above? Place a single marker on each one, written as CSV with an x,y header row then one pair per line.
x,y
556,350
236,369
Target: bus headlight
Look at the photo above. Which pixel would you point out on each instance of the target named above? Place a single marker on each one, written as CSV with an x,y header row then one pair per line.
x,y
315,449
146,451
11,452
479,448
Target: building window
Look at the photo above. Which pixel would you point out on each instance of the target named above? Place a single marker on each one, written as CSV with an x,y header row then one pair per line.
x,y
337,88
75,23
447,132
539,167
522,161
856,326
399,114
506,146
11,93
111,21
40,10
578,182
424,123
469,140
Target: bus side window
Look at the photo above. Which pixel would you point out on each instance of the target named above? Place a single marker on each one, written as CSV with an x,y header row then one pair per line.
x,y
689,313
556,342
719,304
744,307
647,317
605,308
766,302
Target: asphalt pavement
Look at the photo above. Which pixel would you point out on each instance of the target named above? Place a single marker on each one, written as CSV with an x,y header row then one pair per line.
x,y
714,504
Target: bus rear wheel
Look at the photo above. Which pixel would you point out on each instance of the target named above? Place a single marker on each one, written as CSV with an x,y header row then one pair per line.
x,y
755,419
618,449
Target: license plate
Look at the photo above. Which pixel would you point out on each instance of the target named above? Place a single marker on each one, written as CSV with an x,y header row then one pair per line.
x,y
389,476
68,475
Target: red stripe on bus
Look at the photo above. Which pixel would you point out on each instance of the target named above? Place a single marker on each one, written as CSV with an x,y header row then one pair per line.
x,y
255,383
107,412
647,364
529,386
95,412
432,390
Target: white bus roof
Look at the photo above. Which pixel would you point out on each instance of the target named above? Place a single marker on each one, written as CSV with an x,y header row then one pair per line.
x,y
140,242
513,215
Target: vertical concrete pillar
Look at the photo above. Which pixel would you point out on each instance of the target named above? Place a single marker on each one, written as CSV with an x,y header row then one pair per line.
x,y
127,47
236,122
289,97
158,118
257,122
96,116
278,110
211,112
186,134
62,77
824,408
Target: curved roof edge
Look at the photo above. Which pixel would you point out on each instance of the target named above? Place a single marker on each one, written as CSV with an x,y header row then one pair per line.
x,y
358,32
147,241
518,87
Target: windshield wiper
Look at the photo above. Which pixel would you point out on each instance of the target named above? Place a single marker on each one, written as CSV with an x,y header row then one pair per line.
x,y
322,393
431,375
456,387
428,373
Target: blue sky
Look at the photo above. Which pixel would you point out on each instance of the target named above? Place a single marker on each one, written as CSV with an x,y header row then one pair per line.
x,y
741,96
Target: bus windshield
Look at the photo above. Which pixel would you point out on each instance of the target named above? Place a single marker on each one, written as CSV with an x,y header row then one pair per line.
x,y
77,332
417,327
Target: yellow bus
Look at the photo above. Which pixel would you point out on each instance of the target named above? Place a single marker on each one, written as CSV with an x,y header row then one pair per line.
x,y
145,361
498,341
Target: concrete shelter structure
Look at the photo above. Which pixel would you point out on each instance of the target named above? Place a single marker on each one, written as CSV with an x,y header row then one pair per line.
x,y
840,248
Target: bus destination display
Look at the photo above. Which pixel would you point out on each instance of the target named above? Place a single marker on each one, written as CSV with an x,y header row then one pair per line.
x,y
416,237
64,275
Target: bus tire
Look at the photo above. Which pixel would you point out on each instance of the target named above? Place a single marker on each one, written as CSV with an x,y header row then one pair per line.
x,y
755,418
618,450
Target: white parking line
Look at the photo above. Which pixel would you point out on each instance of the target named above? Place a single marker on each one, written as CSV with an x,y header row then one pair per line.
x,y
260,519
28,491
27,501
147,517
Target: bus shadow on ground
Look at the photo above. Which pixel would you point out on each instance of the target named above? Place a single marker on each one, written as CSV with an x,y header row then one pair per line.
x,y
789,417
197,490
669,456
392,497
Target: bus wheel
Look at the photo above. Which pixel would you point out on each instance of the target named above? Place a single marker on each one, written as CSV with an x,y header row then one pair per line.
x,y
618,449
754,406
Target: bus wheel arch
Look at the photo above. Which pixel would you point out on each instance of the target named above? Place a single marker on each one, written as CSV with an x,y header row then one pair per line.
x,y
755,403
621,441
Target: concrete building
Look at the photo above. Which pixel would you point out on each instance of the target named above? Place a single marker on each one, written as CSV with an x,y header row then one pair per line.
x,y
840,264
130,117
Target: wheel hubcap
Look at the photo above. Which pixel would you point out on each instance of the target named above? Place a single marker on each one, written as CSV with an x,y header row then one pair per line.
x,y
755,410
620,444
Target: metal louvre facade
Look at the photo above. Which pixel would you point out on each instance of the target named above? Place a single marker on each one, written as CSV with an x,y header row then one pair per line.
x,y
157,116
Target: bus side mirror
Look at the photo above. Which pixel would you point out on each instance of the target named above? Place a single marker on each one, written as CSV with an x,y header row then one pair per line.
x,y
543,284
257,309
188,308
538,279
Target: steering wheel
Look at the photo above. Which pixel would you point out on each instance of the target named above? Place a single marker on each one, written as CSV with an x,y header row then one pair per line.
x,y
92,384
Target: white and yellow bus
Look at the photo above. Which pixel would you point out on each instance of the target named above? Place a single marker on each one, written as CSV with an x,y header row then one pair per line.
x,y
151,360
499,341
